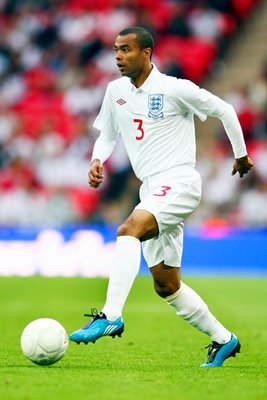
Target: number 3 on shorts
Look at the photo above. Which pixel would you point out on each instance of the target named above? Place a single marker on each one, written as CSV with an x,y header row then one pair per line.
x,y
163,192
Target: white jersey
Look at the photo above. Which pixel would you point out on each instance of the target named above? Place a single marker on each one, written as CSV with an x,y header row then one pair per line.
x,y
156,122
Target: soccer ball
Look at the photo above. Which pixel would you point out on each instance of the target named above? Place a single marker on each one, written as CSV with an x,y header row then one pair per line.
x,y
44,341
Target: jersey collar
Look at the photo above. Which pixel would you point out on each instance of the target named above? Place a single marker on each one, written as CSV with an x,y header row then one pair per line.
x,y
145,87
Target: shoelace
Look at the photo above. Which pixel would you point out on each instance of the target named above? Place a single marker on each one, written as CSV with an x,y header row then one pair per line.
x,y
212,350
94,313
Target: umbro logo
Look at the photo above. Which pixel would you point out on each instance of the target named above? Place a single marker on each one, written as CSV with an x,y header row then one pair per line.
x,y
121,102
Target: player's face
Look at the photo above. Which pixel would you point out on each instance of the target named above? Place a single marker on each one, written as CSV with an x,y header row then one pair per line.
x,y
130,59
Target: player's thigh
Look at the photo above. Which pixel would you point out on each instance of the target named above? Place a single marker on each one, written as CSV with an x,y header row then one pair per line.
x,y
167,247
172,203
141,224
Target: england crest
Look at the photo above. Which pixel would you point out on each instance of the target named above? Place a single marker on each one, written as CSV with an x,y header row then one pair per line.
x,y
155,106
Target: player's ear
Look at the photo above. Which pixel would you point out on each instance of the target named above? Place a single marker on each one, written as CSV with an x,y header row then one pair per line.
x,y
148,53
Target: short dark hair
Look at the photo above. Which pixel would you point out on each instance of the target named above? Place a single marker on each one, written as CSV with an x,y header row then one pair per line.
x,y
143,37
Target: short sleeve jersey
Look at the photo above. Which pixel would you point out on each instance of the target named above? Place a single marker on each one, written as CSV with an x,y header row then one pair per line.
x,y
156,120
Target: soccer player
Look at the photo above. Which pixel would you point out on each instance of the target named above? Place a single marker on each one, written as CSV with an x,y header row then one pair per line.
x,y
154,114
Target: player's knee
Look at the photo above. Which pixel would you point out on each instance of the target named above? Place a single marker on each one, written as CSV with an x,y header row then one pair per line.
x,y
130,227
124,229
164,289
141,224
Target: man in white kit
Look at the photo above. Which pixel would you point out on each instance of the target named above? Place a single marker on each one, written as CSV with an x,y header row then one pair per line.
x,y
154,114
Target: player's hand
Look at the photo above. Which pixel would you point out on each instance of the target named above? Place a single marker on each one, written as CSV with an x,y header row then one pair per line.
x,y
242,166
95,174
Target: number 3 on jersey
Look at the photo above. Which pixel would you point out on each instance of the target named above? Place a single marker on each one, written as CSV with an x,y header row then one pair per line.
x,y
139,128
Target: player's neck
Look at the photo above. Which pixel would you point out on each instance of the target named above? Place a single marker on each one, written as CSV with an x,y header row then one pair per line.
x,y
139,80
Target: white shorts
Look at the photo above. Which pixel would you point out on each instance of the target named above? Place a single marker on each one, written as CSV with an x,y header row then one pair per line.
x,y
171,196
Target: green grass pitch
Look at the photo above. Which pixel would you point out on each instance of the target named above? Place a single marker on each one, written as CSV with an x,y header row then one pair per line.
x,y
158,355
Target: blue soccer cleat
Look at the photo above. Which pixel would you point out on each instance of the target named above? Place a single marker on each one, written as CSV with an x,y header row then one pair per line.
x,y
218,353
97,327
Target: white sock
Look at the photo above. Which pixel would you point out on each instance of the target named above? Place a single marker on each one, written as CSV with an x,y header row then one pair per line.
x,y
122,276
189,305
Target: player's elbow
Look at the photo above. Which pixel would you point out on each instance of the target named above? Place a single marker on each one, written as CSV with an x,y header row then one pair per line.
x,y
228,112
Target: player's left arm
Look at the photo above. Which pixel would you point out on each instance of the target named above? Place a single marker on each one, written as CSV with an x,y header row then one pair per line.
x,y
203,103
215,106
242,165
226,113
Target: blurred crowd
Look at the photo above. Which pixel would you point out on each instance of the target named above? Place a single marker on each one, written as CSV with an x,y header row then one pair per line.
x,y
56,58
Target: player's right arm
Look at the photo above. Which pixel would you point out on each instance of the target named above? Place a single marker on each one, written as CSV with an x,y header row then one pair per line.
x,y
95,174
103,147
104,144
